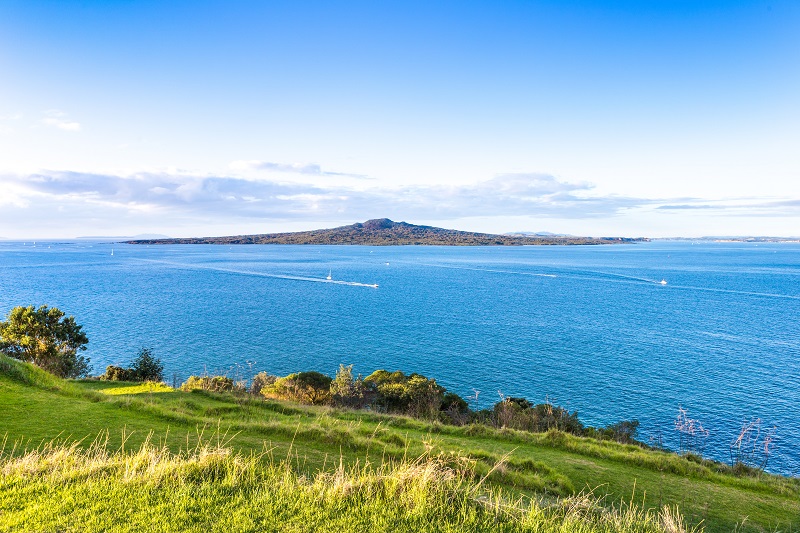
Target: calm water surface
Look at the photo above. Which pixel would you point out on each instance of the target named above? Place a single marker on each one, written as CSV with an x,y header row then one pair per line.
x,y
589,327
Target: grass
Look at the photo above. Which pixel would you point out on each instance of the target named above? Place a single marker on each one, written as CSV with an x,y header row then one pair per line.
x,y
211,488
552,467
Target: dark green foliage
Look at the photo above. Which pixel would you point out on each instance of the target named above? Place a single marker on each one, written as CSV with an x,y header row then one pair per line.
x,y
414,394
117,373
518,413
451,400
521,402
307,387
46,338
625,431
146,367
455,410
213,383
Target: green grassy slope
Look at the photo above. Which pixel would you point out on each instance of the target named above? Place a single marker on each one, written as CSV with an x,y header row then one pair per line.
x,y
66,488
36,408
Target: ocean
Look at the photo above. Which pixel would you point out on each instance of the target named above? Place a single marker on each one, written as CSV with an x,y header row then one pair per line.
x,y
591,328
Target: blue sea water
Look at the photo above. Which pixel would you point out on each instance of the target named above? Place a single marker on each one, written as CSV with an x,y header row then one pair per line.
x,y
588,327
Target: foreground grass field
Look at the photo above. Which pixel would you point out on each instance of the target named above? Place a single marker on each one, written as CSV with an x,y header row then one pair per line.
x,y
212,489
313,444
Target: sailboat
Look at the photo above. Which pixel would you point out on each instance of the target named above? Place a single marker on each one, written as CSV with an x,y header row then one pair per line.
x,y
329,276
112,252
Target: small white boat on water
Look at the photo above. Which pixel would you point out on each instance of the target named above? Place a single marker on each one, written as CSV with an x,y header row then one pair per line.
x,y
663,282
329,275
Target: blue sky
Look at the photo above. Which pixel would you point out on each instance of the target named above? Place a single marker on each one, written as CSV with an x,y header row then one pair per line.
x,y
654,118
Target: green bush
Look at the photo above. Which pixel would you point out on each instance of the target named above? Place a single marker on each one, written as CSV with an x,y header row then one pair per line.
x,y
117,373
347,391
146,367
519,413
261,380
412,394
306,387
208,383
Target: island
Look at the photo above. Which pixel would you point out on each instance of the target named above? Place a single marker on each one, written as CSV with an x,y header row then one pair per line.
x,y
385,232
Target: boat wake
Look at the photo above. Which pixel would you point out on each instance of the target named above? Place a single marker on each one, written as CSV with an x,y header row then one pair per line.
x,y
611,277
493,270
261,274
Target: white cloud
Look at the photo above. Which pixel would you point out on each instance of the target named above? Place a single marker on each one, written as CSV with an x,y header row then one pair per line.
x,y
175,202
57,119
309,169
6,121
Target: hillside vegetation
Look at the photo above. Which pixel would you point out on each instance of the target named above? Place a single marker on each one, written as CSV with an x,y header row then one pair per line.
x,y
383,232
220,461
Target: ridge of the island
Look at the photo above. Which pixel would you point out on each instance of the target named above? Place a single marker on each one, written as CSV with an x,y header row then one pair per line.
x,y
385,232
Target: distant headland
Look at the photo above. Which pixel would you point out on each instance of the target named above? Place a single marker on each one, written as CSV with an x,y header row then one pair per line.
x,y
385,232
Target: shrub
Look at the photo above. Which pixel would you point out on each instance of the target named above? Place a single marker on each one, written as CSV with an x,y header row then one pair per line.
x,y
213,383
305,387
414,394
261,380
347,391
519,413
146,367
117,373
623,432
455,410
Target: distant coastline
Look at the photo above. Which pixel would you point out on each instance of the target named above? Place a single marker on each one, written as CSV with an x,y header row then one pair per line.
x,y
730,239
385,232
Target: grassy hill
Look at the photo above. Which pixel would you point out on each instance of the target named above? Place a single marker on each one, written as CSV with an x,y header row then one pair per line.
x,y
205,461
382,231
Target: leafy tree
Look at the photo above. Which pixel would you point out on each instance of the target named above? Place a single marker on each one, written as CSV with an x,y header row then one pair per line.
x,y
146,367
346,390
46,338
305,387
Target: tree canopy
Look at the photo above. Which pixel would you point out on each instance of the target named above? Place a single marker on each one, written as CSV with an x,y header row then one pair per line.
x,y
46,338
145,367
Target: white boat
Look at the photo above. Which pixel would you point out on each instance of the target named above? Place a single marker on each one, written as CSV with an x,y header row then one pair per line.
x,y
329,275
663,282
112,251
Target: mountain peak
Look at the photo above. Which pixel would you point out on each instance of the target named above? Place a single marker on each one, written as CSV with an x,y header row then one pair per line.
x,y
378,223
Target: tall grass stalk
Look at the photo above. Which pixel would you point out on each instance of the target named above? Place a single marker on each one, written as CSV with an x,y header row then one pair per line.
x,y
69,487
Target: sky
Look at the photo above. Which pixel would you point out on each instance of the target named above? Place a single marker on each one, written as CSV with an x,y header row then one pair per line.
x,y
649,118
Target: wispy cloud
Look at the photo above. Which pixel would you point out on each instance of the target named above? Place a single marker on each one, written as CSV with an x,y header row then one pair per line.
x,y
6,121
58,119
311,169
511,194
740,206
174,199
